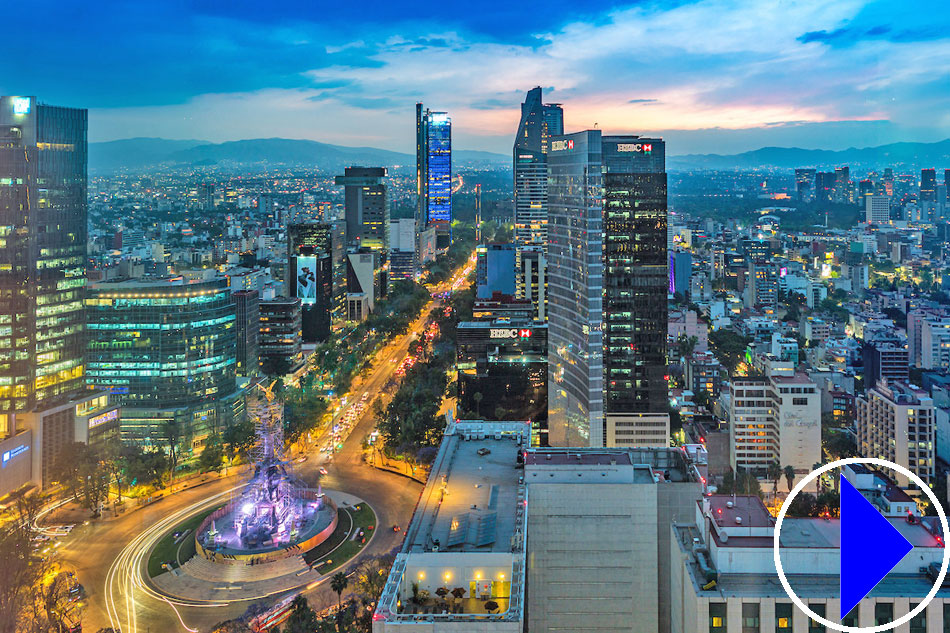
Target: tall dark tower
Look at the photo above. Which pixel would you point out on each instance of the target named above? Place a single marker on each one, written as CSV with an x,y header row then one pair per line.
x,y
478,213
434,173
928,185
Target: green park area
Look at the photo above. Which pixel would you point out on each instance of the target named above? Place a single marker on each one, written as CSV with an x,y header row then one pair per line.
x,y
172,548
341,546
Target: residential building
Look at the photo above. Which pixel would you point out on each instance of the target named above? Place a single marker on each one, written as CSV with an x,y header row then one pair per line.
x,y
877,209
774,419
886,358
687,324
895,421
704,373
763,284
281,334
814,330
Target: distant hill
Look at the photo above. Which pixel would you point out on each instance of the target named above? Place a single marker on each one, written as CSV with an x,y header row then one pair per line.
x,y
139,153
906,155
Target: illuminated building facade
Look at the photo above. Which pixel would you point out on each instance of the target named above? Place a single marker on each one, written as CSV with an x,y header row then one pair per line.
x,y
166,351
42,256
539,122
44,405
434,173
316,274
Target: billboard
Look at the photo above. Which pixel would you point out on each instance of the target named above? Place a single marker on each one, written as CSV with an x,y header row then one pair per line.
x,y
307,279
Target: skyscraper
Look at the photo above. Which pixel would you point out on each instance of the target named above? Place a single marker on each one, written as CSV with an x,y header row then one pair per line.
x,y
928,185
607,286
366,204
434,173
316,273
43,152
805,184
539,122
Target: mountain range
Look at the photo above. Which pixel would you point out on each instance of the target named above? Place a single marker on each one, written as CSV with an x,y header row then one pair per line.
x,y
136,154
905,155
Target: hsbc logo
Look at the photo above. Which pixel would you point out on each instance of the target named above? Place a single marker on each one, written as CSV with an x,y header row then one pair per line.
x,y
560,146
509,333
644,148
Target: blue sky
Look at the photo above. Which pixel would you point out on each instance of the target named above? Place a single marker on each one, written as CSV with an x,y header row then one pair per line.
x,y
711,76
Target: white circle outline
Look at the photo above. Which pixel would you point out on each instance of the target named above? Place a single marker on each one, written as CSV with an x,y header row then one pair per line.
x,y
778,560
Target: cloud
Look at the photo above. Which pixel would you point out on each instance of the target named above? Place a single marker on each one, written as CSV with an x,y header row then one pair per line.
x,y
707,64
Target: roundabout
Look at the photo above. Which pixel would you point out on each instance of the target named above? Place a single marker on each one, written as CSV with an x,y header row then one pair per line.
x,y
270,535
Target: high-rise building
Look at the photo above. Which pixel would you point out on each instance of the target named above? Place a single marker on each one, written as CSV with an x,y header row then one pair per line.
x,y
877,209
805,184
532,279
247,332
316,274
606,299
402,249
763,283
495,270
539,122
366,206
774,419
166,351
928,185
682,271
506,364
895,421
824,186
844,188
434,173
478,213
946,183
44,405
281,335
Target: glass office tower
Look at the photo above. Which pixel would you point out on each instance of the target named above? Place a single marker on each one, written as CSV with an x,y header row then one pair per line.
x,y
539,122
366,204
166,350
608,277
575,289
434,173
42,257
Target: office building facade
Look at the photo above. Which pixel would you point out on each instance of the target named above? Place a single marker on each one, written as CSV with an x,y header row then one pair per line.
x,y
366,206
247,327
532,279
539,122
607,285
166,351
495,270
44,404
281,334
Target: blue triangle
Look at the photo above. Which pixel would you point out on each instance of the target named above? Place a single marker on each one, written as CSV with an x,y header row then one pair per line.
x,y
870,547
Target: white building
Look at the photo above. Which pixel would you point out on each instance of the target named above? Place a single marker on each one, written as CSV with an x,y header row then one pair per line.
x,y
775,419
877,210
896,422
724,578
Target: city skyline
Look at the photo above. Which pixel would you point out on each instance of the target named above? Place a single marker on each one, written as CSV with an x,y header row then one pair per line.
x,y
825,76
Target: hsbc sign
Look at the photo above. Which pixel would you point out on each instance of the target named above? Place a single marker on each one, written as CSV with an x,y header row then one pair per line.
x,y
506,332
643,148
560,146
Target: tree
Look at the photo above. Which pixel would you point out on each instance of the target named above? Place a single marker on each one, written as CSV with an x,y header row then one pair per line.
x,y
115,459
803,505
23,592
338,584
702,399
275,366
238,438
302,618
686,345
774,472
211,458
491,606
171,437
478,397
458,593
789,472
729,346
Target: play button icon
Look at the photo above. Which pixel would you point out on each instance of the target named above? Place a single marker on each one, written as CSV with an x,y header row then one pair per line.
x,y
870,547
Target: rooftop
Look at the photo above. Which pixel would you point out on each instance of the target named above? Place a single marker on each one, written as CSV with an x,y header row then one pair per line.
x,y
468,503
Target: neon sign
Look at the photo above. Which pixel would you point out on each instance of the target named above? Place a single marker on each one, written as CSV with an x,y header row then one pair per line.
x,y
13,452
99,420
21,105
